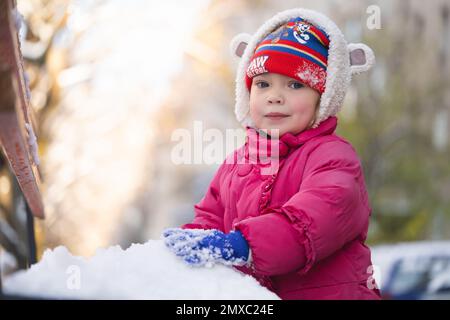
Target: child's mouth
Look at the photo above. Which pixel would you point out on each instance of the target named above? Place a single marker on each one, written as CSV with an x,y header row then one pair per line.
x,y
276,116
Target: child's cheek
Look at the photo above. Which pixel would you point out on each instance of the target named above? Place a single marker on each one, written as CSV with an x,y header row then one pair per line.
x,y
302,106
253,112
255,109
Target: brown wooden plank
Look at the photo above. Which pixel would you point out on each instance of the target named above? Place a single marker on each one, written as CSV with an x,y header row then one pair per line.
x,y
14,111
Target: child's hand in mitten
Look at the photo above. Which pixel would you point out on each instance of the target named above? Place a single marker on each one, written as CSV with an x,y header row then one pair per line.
x,y
206,247
182,241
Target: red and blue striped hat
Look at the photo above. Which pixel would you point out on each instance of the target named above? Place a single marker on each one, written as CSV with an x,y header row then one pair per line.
x,y
296,49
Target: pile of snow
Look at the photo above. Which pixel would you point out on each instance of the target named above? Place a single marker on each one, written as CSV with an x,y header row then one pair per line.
x,y
143,271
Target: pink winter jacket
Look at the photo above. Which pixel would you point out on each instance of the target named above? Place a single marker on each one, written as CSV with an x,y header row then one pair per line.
x,y
306,224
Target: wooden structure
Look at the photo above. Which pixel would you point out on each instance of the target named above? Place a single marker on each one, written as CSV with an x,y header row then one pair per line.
x,y
17,138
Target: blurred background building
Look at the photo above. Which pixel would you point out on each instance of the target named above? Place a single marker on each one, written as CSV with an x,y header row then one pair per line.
x,y
111,80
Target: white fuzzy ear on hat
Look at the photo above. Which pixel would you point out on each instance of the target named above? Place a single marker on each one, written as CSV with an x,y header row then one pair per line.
x,y
239,43
361,57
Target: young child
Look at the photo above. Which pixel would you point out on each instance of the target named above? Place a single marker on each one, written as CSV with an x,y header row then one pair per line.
x,y
300,230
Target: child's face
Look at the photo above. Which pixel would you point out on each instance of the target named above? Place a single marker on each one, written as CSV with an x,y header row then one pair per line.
x,y
281,102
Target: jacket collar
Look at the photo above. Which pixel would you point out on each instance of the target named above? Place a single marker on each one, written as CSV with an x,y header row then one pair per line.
x,y
261,144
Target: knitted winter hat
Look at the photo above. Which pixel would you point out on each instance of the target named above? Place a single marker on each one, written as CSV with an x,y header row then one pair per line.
x,y
297,49
344,60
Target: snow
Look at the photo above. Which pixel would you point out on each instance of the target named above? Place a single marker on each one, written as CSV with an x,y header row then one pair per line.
x,y
143,271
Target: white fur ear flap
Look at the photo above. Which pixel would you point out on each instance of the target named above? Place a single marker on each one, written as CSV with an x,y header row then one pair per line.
x,y
361,58
239,43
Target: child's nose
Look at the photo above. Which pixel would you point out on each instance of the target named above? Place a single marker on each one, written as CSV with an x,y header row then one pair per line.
x,y
272,99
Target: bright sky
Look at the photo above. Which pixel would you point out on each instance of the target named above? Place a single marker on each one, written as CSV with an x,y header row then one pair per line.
x,y
137,42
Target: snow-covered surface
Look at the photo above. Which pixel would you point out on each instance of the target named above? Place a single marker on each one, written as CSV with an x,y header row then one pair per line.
x,y
143,271
384,256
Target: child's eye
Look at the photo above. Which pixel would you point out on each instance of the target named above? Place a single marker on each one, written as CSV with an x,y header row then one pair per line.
x,y
296,85
262,84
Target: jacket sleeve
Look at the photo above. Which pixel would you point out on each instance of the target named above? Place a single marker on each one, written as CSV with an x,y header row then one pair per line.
x,y
328,211
209,211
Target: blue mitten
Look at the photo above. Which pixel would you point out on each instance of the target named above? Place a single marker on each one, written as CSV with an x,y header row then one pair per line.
x,y
206,247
